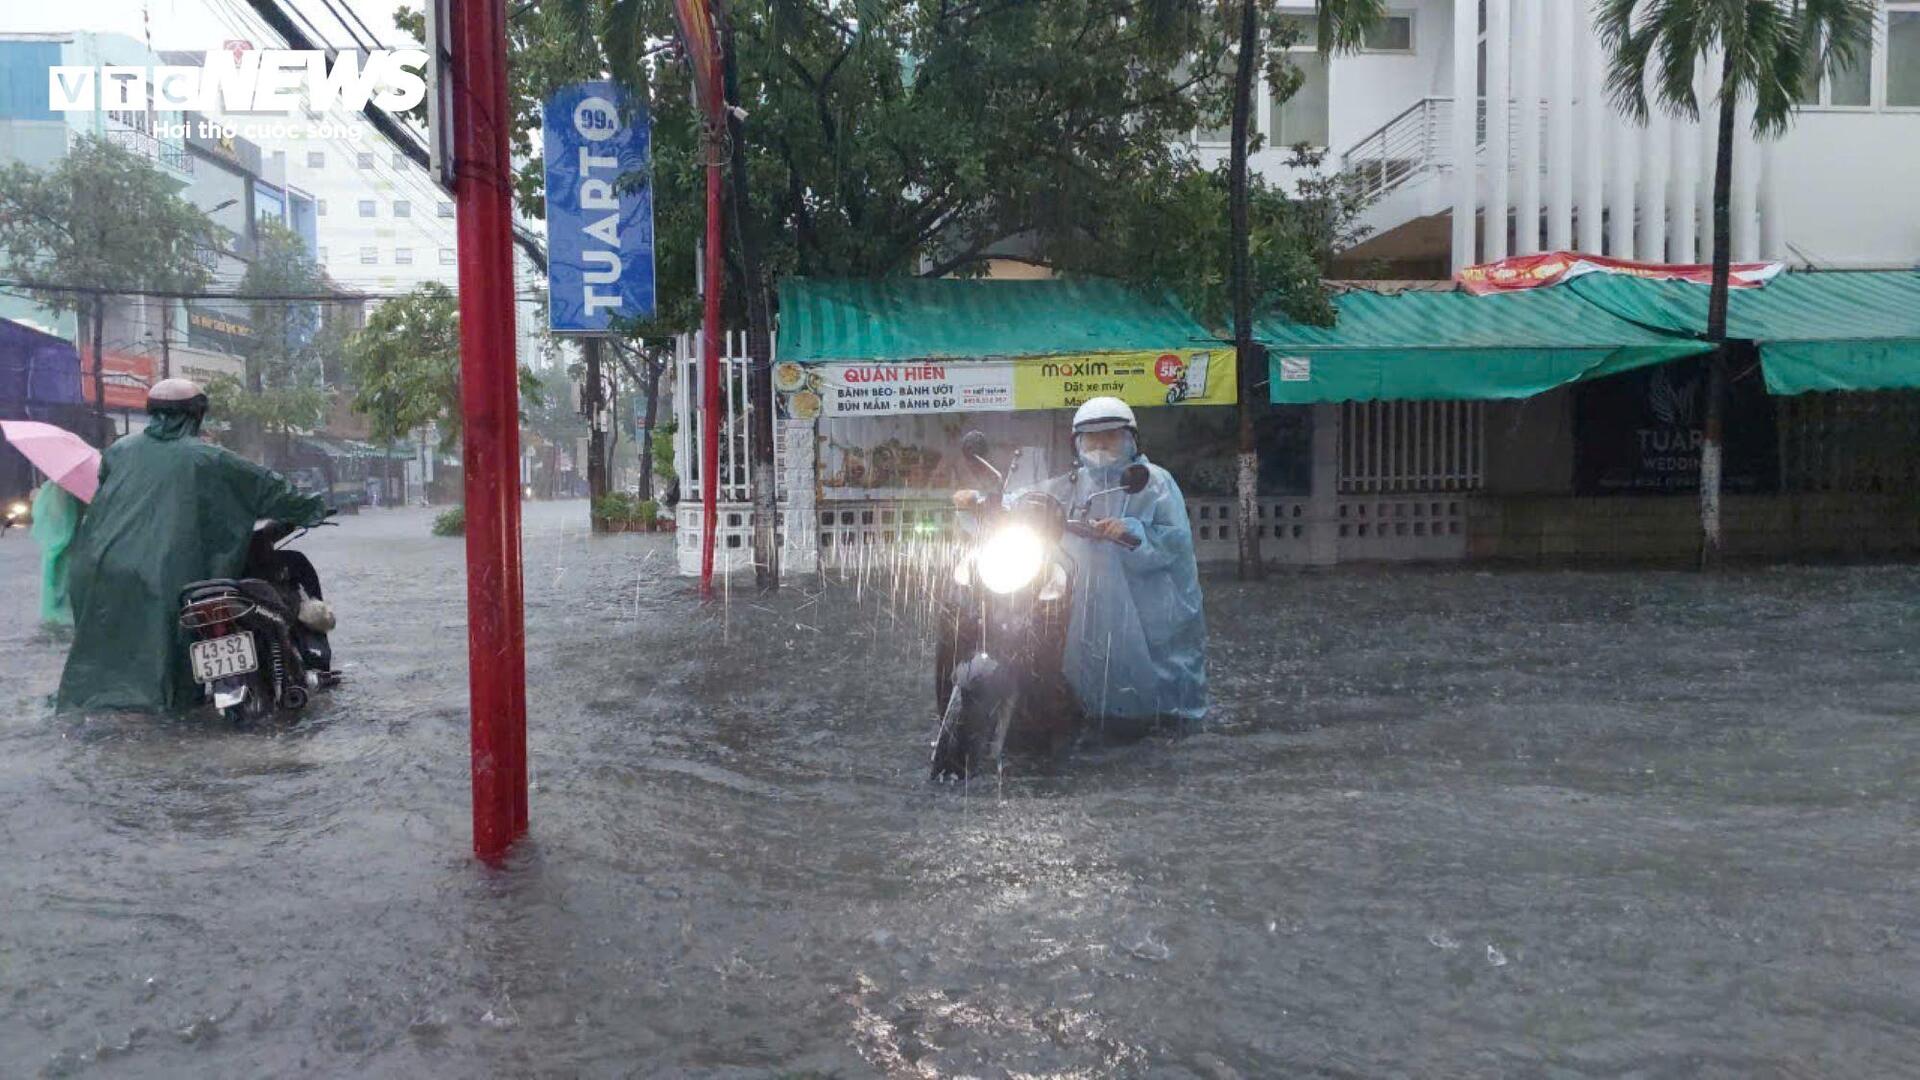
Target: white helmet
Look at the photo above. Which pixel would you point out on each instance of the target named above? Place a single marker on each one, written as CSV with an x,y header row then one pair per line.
x,y
176,394
1103,414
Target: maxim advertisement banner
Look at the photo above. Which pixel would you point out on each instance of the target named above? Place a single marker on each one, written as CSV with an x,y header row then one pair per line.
x,y
1156,377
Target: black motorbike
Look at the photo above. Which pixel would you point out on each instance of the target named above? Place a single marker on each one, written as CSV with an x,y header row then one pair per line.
x,y
258,643
998,683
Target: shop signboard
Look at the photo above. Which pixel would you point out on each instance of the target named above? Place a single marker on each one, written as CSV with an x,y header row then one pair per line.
x,y
1153,377
1640,433
597,141
221,329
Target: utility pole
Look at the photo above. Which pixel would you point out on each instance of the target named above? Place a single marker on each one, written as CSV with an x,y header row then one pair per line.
x,y
490,409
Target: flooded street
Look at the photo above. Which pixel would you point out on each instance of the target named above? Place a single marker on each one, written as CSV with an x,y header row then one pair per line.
x,y
1442,823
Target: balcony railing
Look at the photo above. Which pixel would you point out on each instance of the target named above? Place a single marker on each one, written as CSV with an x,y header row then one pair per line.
x,y
172,155
1419,140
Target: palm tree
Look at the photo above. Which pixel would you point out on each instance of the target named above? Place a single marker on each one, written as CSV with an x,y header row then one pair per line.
x,y
1767,49
1341,24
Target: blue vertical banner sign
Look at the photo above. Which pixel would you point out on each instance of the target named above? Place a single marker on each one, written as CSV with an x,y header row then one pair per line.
x,y
599,208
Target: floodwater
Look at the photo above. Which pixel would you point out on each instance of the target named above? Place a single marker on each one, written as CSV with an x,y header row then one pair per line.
x,y
1444,823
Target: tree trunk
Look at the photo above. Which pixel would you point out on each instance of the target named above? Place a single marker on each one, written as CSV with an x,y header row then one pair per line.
x,y
98,334
646,436
1246,355
759,408
1710,443
590,404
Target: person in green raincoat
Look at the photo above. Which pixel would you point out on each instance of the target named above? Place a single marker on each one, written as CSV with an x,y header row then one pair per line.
x,y
171,510
56,516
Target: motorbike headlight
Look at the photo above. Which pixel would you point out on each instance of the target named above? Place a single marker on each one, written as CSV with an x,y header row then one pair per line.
x,y
1010,559
18,509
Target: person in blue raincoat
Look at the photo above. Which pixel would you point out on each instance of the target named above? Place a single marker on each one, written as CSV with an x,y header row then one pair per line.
x,y
1136,650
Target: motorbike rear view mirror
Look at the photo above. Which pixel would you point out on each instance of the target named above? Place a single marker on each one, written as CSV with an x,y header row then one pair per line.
x,y
974,446
1134,478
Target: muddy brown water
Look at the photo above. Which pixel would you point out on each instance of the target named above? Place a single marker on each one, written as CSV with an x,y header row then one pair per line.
x,y
1442,823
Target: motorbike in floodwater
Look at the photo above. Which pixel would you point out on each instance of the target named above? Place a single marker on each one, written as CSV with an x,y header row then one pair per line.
x,y
998,682
258,643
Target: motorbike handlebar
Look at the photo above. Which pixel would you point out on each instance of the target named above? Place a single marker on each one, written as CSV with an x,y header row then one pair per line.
x,y
1086,529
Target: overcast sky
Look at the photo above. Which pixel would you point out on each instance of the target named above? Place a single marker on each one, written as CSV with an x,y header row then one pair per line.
x,y
194,25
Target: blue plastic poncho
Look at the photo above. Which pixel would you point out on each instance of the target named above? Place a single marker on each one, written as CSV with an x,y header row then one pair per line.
x,y
1137,644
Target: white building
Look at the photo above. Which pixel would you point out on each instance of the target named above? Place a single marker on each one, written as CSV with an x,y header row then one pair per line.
x,y
1835,192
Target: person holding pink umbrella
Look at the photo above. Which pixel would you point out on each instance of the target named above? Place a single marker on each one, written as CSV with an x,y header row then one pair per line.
x,y
56,517
73,469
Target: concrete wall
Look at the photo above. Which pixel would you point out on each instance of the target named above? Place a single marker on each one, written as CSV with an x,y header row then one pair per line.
x,y
1656,529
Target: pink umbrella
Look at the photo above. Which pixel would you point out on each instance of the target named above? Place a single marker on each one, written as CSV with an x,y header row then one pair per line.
x,y
59,453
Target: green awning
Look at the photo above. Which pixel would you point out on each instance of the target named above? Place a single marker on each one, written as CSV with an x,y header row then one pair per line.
x,y
1453,346
1829,330
922,319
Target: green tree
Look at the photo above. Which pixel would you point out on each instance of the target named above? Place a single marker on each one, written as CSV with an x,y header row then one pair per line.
x,y
285,357
100,224
922,137
405,366
1766,50
270,417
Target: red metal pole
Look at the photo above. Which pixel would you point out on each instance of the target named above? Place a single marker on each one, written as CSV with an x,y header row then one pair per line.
x,y
490,412
710,354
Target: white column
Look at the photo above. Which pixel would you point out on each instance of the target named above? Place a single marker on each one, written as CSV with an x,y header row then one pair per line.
x,y
1499,132
1526,116
1655,144
1623,139
1466,35
1323,511
1683,239
1564,25
1594,115
1746,186
1773,203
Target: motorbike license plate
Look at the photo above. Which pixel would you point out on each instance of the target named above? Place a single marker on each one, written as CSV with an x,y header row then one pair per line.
x,y
220,657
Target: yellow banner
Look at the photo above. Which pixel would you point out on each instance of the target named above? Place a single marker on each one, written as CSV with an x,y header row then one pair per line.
x,y
1162,377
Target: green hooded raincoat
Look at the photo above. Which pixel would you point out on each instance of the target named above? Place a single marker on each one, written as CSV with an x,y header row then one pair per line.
x,y
56,517
171,510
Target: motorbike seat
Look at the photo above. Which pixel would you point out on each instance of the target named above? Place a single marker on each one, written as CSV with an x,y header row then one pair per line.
x,y
260,592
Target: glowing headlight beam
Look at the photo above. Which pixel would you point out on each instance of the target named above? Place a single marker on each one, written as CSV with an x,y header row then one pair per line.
x,y
1010,559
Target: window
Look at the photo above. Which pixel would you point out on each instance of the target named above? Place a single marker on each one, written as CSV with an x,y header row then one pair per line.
x,y
369,256
323,255
403,256
320,207
1844,88
399,160
446,209
1903,57
1391,34
316,159
1302,118
402,208
366,207
446,256
366,161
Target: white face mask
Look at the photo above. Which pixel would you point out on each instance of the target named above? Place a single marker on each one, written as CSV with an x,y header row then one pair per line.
x,y
1102,457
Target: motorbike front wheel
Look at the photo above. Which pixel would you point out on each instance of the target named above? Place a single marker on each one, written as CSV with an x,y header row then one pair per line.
x,y
973,736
